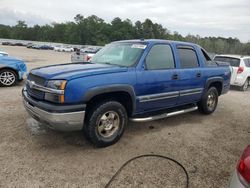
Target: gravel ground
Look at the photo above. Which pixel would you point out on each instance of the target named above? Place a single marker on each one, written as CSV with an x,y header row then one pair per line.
x,y
33,156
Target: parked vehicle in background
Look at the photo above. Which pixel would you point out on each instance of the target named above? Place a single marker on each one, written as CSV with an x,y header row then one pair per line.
x,y
29,45
46,47
63,49
36,46
13,44
84,55
240,66
6,43
3,53
57,48
143,80
241,175
18,44
12,70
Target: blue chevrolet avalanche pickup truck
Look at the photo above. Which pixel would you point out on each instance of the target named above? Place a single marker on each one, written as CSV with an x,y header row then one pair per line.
x,y
140,80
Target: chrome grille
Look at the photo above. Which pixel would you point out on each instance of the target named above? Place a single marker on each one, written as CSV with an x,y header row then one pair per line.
x,y
37,79
33,92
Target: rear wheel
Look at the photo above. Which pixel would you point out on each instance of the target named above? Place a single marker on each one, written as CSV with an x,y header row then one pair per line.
x,y
245,85
7,77
105,123
209,101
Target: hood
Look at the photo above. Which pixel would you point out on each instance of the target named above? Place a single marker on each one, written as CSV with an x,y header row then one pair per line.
x,y
75,70
7,60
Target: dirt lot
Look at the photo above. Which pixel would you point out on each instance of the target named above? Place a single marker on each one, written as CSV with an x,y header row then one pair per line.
x,y
34,156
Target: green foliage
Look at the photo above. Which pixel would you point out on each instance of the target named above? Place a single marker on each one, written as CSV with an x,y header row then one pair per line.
x,y
93,30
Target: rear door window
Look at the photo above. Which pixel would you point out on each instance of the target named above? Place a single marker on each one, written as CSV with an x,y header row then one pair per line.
x,y
234,62
188,57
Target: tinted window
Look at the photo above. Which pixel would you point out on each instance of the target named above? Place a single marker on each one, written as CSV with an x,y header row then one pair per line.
x,y
188,58
160,57
234,62
247,62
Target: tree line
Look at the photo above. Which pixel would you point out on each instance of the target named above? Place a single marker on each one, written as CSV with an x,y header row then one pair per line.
x,y
93,30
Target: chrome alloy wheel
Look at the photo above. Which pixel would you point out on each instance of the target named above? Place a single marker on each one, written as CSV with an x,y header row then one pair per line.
x,y
108,124
7,78
211,101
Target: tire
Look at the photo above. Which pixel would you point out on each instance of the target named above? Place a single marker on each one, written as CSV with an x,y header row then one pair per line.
x,y
8,77
245,85
105,123
209,101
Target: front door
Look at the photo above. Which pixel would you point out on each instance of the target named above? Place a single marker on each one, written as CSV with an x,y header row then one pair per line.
x,y
156,84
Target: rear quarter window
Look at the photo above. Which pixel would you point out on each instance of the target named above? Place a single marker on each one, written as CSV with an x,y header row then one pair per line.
x,y
247,62
207,59
234,62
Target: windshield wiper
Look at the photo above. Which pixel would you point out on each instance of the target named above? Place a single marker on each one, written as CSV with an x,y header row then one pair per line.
x,y
108,63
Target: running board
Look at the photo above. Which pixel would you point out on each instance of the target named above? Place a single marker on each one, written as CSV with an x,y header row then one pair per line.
x,y
165,115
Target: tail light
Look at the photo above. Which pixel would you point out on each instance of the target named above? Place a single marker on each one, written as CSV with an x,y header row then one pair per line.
x,y
88,58
243,166
240,70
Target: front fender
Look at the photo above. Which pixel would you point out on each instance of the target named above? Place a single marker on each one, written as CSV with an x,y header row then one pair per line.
x,y
109,89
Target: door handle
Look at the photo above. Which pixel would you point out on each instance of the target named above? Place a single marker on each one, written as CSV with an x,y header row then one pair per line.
x,y
198,75
175,77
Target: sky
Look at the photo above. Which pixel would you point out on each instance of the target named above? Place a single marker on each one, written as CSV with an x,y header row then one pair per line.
x,y
225,18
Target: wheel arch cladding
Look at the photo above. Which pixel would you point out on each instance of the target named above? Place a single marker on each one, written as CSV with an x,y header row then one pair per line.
x,y
8,68
122,93
216,82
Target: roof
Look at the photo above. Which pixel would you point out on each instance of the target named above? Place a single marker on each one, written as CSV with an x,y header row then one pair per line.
x,y
159,41
233,56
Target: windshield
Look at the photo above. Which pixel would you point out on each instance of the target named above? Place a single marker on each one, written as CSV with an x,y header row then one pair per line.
x,y
121,54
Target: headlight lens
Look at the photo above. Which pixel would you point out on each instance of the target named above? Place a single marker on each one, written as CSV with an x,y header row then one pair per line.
x,y
57,84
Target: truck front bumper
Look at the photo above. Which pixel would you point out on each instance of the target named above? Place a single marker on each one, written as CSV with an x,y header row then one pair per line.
x,y
57,117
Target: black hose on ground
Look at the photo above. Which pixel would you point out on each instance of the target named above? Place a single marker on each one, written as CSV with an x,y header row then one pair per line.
x,y
149,155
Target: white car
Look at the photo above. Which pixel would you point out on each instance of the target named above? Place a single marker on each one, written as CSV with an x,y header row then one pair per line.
x,y
240,66
84,55
3,53
63,49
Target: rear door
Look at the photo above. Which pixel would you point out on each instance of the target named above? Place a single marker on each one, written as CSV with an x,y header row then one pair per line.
x,y
234,65
191,83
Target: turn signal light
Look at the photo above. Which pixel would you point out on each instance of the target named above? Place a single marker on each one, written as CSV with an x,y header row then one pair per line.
x,y
88,58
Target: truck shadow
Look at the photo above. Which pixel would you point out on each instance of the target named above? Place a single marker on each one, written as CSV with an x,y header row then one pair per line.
x,y
158,125
53,139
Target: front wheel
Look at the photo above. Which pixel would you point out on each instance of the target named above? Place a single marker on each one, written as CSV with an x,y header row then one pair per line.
x,y
209,101
105,123
7,77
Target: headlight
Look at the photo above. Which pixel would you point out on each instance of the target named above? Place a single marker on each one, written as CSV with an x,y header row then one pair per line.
x,y
58,85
